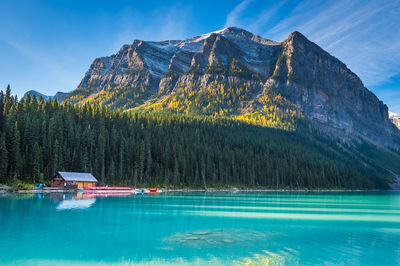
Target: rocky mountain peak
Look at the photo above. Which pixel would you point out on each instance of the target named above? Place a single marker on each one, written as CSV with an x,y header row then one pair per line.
x,y
298,36
235,32
316,83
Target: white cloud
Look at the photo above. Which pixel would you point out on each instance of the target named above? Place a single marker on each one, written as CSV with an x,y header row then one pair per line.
x,y
232,18
363,34
265,16
58,65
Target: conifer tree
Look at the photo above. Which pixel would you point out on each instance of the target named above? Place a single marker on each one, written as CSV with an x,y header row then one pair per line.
x,y
39,138
3,159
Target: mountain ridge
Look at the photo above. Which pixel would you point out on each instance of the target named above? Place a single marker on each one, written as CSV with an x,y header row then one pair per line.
x,y
234,73
31,93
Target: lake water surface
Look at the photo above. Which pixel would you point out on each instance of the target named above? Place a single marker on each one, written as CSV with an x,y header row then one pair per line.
x,y
355,228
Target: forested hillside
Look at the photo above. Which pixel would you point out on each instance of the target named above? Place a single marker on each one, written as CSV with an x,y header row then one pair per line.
x,y
233,73
38,138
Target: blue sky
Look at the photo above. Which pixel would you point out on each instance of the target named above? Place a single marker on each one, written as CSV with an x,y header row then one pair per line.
x,y
48,45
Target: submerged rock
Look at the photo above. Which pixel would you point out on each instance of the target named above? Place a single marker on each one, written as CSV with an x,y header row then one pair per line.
x,y
216,237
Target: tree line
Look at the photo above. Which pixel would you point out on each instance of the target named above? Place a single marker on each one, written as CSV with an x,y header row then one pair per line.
x,y
39,138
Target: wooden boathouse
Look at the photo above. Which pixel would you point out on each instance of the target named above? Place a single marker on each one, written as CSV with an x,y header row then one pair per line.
x,y
71,180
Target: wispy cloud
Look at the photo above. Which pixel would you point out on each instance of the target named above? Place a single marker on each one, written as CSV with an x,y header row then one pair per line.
x,y
363,34
232,18
265,16
165,23
56,65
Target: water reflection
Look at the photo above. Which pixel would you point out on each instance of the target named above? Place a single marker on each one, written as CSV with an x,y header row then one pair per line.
x,y
81,200
75,201
106,195
75,204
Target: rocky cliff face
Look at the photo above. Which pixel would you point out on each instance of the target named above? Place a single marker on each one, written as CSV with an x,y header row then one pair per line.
x,y
316,83
159,66
328,92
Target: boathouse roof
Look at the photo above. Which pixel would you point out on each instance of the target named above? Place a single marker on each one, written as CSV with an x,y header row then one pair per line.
x,y
74,176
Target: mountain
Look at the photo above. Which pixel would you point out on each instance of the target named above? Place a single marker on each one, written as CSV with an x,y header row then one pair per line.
x,y
395,118
37,94
59,95
234,73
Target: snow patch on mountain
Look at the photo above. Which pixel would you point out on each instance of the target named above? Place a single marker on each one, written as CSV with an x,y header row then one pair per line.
x,y
158,57
395,118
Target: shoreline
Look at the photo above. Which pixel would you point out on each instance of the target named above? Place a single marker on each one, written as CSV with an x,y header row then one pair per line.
x,y
189,190
272,190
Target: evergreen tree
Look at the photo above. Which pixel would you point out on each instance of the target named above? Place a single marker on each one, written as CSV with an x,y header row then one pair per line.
x,y
3,159
8,101
36,162
39,138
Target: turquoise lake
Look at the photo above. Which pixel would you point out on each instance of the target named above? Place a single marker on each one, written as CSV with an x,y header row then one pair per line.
x,y
286,228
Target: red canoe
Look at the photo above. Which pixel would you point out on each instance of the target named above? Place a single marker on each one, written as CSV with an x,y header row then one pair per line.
x,y
153,190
